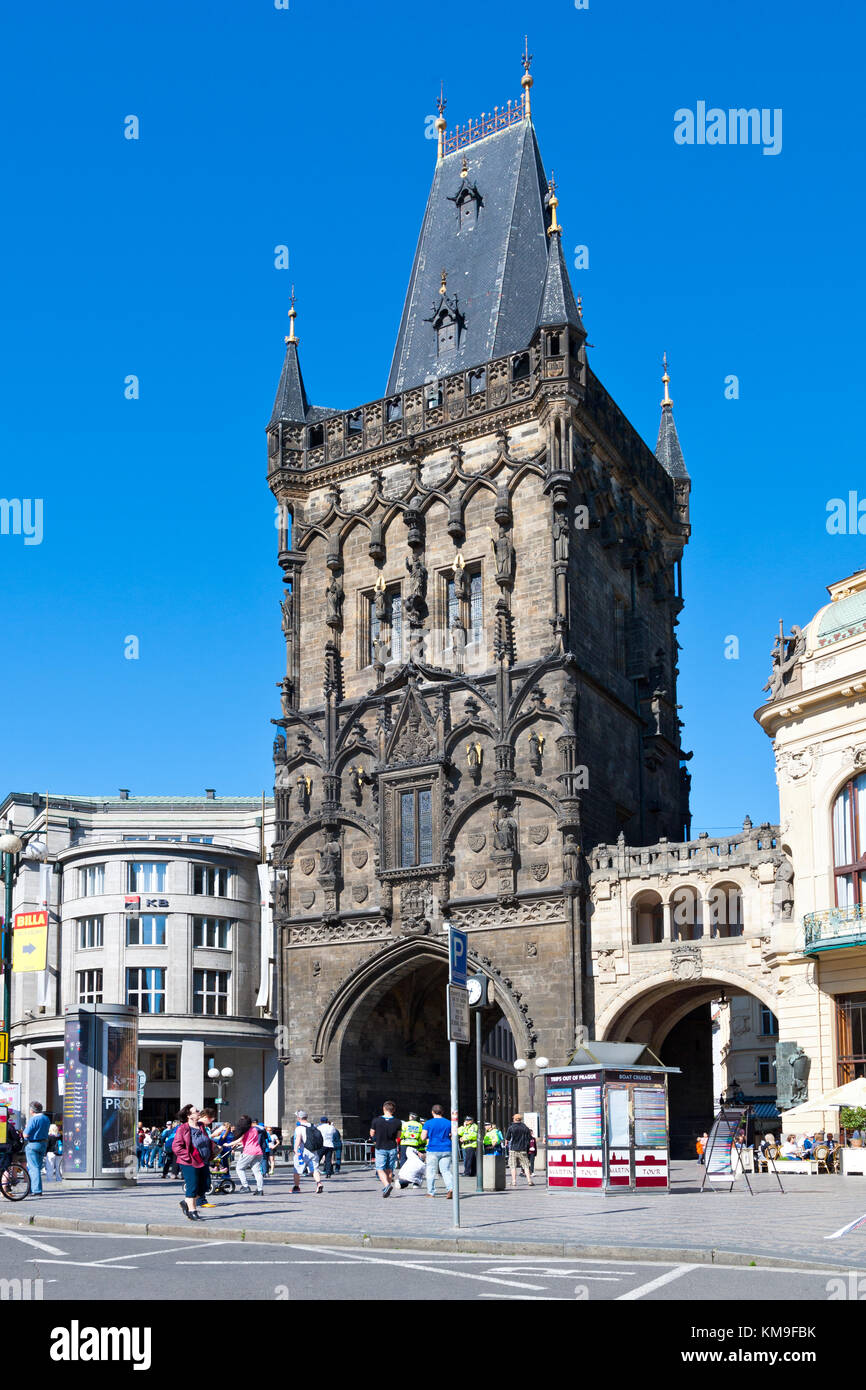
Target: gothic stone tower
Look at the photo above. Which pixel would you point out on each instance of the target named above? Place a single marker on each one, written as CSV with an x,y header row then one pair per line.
x,y
481,577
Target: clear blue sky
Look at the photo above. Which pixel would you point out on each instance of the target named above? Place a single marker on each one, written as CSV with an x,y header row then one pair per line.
x,y
306,127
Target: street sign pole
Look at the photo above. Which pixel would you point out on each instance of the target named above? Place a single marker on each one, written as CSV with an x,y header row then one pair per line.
x,y
7,959
479,1081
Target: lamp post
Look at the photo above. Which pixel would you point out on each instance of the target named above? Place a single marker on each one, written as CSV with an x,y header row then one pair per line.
x,y
10,846
222,1076
520,1066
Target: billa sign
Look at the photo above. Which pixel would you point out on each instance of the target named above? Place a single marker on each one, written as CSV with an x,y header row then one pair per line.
x,y
29,942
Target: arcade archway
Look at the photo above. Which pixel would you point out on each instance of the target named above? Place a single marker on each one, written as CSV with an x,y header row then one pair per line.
x,y
675,1019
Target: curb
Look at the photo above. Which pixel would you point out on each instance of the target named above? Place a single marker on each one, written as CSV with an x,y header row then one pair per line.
x,y
465,1245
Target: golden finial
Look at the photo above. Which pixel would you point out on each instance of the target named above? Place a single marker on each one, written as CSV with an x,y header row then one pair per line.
x,y
443,288
464,168
441,123
580,307
554,204
292,338
526,79
379,586
666,381
459,562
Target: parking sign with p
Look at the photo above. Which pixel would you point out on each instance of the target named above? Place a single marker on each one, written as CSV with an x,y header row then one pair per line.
x,y
457,952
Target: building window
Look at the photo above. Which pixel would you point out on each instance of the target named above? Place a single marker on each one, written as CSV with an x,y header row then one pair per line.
x,y
210,991
168,839
91,881
163,1066
478,382
147,878
849,849
765,1071
145,931
145,988
416,827
447,338
647,919
769,1023
89,933
851,1037
389,627
199,839
213,932
89,986
468,610
211,880
619,653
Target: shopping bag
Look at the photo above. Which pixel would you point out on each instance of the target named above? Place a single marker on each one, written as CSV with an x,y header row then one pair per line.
x,y
413,1169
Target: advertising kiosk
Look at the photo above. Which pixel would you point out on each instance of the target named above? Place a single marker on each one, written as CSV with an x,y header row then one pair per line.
x,y
100,1098
607,1120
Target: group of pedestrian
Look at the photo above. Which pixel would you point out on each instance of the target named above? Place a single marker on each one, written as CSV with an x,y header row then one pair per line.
x,y
43,1148
411,1152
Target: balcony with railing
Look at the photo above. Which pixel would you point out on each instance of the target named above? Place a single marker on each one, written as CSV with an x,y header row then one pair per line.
x,y
834,928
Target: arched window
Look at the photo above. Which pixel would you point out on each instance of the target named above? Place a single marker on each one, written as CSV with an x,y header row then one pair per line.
x,y
849,842
686,913
647,920
725,903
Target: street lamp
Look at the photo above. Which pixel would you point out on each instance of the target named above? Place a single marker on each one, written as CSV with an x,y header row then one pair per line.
x,y
10,846
221,1076
520,1066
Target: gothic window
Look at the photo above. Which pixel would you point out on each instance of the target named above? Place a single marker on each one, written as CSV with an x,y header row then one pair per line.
x,y
355,422
476,606
478,382
850,1037
520,366
647,919
395,409
849,849
416,827
468,608
316,436
447,336
553,344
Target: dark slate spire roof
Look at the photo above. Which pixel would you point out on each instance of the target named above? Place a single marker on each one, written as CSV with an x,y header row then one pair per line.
x,y
558,304
291,399
496,266
668,451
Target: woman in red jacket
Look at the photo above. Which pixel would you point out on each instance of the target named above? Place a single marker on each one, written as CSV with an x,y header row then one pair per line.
x,y
192,1146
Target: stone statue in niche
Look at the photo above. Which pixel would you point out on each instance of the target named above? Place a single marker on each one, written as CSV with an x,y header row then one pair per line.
x,y
380,605
783,891
505,832
282,777
334,597
536,749
503,549
570,852
792,1074
560,538
417,580
329,857
287,609
283,896
461,583
280,748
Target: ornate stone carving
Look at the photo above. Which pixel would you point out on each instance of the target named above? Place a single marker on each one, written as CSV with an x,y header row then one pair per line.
x,y
783,891
537,834
532,949
505,832
793,766
307,897
476,841
359,858
792,1074
360,892
416,907
785,654
367,929
415,740
478,877
687,963
307,864
540,871
537,913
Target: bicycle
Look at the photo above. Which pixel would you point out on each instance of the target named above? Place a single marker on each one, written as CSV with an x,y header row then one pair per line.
x,y
14,1177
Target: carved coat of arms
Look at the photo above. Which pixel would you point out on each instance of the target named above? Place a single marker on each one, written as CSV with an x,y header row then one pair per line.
x,y
537,834
307,864
540,871
476,841
478,878
359,858
359,892
686,963
307,899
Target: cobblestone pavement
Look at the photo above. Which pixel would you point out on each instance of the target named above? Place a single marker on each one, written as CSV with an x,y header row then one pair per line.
x,y
789,1226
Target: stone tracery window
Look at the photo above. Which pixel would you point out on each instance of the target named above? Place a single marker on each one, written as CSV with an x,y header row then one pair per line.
x,y
416,827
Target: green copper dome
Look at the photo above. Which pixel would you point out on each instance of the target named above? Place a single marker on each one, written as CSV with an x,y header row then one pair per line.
x,y
846,618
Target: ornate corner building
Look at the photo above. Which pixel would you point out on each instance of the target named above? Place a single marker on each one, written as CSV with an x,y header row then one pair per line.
x,y
482,579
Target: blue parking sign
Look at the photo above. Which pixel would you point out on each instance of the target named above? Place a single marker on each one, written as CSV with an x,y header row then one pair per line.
x,y
457,952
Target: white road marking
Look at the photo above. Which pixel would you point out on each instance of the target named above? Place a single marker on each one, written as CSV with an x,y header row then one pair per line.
x,y
524,1297
81,1264
177,1249
544,1273
210,1263
843,1230
668,1278
28,1240
427,1269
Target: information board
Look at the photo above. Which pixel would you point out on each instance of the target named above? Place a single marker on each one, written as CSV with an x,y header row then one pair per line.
x,y
617,1118
560,1128
718,1154
650,1167
458,1015
587,1117
650,1118
75,1053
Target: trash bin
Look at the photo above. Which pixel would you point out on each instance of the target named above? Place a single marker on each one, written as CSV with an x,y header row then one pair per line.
x,y
494,1172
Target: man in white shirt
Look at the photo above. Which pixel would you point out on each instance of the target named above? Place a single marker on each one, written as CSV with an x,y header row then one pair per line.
x,y
304,1155
327,1131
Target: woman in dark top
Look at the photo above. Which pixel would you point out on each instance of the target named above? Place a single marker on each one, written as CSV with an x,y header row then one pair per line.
x,y
192,1146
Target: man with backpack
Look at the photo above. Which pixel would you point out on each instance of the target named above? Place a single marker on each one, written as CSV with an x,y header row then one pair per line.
x,y
170,1160
308,1146
385,1132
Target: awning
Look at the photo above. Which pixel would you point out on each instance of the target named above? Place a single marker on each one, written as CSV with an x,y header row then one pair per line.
x,y
765,1111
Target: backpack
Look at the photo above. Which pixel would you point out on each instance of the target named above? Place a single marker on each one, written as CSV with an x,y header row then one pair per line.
x,y
314,1141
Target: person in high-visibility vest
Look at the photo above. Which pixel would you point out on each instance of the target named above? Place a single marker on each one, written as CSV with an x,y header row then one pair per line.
x,y
410,1135
467,1133
492,1139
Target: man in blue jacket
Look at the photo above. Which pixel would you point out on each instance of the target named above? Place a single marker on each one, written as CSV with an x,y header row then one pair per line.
x,y
35,1146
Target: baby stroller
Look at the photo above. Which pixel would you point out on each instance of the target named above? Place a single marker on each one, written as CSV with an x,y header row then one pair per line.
x,y
220,1172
